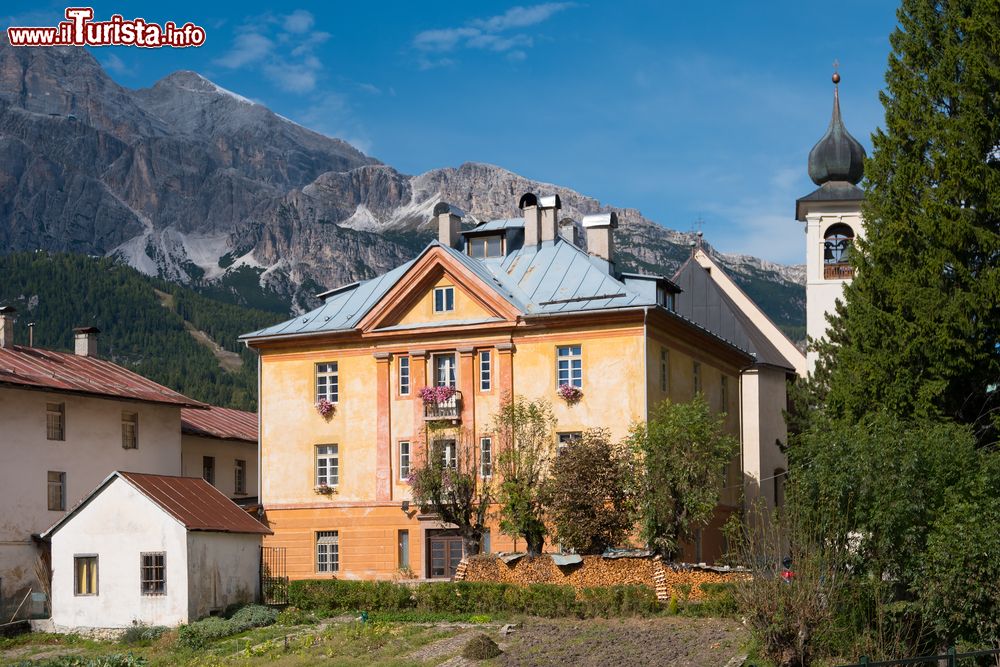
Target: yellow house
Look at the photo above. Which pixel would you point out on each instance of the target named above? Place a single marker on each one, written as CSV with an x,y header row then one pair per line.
x,y
510,307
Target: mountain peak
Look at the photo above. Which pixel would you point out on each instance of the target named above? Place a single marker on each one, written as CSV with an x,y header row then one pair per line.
x,y
196,83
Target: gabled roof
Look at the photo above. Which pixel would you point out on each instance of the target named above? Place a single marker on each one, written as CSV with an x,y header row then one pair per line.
x,y
223,423
715,302
193,502
37,368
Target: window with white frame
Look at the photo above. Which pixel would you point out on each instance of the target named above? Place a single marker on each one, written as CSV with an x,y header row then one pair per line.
x,y
446,450
327,465
486,457
327,386
664,369
404,376
327,551
565,439
444,299
444,370
130,430
239,477
153,573
485,370
55,421
569,365
696,375
57,491
404,459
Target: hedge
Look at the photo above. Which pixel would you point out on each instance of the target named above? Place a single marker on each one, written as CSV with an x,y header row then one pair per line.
x,y
464,597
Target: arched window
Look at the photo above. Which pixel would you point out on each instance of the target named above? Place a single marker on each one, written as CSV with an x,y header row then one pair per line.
x,y
837,244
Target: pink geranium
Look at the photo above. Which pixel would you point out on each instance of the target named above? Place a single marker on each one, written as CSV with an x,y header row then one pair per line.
x,y
325,408
569,393
437,394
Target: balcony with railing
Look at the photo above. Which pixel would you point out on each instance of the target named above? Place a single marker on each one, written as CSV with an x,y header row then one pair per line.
x,y
838,271
449,408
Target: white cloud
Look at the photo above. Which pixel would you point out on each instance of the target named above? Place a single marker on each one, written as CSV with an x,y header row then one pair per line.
x,y
298,21
247,48
281,48
489,34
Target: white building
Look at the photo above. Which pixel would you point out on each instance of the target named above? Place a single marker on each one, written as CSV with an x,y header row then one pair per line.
x,y
220,446
154,549
832,214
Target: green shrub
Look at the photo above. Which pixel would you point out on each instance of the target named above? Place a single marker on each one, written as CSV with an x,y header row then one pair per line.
x,y
111,660
201,633
468,598
718,600
481,647
296,616
140,632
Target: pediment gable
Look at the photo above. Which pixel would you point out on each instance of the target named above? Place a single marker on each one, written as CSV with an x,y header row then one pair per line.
x,y
410,302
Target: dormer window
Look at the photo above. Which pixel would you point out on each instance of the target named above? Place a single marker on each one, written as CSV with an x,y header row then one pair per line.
x,y
444,299
485,246
837,243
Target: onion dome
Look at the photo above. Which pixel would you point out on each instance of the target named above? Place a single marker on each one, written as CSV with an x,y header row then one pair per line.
x,y
837,156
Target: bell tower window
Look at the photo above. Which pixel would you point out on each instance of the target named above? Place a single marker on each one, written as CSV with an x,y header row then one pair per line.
x,y
837,243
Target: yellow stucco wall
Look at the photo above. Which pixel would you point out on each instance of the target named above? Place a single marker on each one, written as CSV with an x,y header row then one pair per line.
x,y
620,383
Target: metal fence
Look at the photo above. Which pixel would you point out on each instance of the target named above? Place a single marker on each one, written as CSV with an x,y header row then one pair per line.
x,y
273,576
950,659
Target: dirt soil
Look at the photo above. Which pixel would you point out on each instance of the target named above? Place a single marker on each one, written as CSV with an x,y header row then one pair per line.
x,y
676,641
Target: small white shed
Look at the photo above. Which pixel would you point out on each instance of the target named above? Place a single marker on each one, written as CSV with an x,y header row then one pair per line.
x,y
155,549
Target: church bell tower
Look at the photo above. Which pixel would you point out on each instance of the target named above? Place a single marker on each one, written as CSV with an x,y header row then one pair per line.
x,y
832,214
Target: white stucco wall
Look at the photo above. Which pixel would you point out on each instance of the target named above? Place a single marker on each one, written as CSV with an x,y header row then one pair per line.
x,y
224,570
764,399
91,451
226,452
118,525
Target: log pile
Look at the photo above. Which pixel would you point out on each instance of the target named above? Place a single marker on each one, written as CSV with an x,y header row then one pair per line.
x,y
668,580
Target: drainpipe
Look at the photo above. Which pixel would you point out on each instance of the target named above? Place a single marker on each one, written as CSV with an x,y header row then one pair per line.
x,y
645,363
260,467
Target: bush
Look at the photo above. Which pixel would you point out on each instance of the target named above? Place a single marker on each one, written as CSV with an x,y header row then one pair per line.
x,y
467,598
717,600
200,633
112,660
140,632
481,647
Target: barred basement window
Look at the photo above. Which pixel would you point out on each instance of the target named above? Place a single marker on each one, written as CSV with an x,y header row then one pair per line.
x,y
130,430
153,573
327,551
55,421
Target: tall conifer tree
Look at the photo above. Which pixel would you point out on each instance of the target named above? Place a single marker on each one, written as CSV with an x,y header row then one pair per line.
x,y
919,328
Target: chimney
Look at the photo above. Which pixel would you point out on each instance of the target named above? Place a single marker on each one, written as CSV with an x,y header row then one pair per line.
x,y
549,208
7,314
529,207
449,219
85,341
600,237
567,230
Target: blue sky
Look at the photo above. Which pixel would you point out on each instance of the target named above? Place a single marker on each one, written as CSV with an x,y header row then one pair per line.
x,y
684,111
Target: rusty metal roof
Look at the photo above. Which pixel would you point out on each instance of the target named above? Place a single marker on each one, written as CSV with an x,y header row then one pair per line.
x,y
193,502
216,422
37,368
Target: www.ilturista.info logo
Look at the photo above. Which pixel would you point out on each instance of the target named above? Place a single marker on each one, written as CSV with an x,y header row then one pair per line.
x,y
79,29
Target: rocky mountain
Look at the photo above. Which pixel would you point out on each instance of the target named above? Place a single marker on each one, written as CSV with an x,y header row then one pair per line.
x,y
190,182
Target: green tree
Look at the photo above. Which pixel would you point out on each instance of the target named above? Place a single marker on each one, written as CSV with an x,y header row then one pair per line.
x,y
448,483
918,330
523,436
683,449
588,496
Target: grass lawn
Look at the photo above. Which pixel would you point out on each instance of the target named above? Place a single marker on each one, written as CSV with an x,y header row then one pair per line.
x,y
674,640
